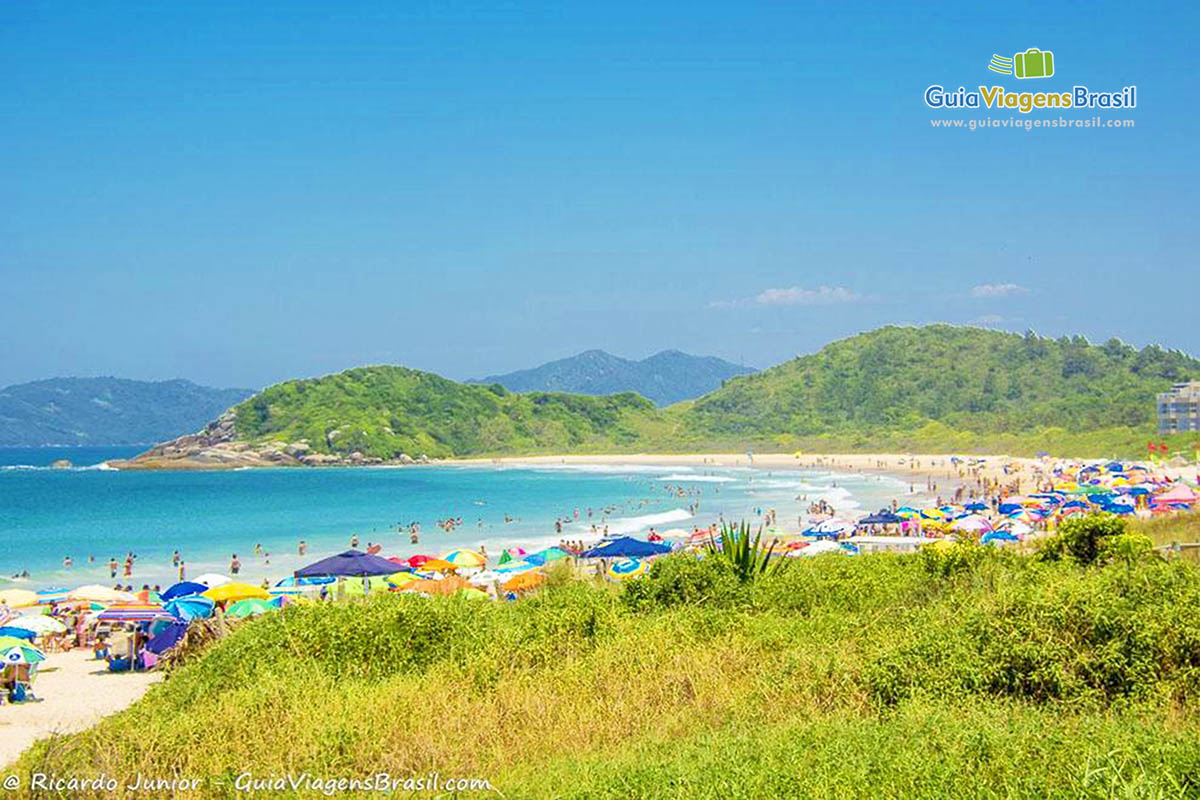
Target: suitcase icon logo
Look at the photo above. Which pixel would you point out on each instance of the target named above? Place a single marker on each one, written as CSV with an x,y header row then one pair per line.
x,y
1033,63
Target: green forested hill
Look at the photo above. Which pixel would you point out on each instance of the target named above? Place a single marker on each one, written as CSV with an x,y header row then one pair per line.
x,y
937,388
904,385
385,411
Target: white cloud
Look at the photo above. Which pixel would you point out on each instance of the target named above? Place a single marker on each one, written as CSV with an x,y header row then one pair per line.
x,y
797,296
997,290
793,296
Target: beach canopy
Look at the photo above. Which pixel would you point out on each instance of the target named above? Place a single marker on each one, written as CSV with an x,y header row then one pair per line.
x,y
626,547
48,597
232,592
183,589
212,580
133,612
15,651
40,624
882,518
350,564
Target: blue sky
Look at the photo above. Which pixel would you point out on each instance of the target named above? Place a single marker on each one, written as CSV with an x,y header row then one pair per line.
x,y
240,193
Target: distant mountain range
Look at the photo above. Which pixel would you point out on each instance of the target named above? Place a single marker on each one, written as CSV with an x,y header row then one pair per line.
x,y
663,378
107,411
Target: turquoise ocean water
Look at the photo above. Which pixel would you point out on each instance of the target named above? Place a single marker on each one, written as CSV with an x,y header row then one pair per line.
x,y
92,512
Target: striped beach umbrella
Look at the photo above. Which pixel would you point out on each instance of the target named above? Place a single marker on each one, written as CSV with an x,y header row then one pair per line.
x,y
462,557
50,596
14,651
134,612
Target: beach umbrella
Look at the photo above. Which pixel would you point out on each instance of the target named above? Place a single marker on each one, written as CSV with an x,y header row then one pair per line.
x,y
317,581
16,633
881,518
515,566
183,589
524,581
445,587
133,612
95,593
167,638
18,598
815,549
485,578
232,592
14,651
50,596
626,547
251,608
439,565
554,554
211,580
972,522
976,507
401,579
998,536
348,564
40,624
190,607
463,557
626,569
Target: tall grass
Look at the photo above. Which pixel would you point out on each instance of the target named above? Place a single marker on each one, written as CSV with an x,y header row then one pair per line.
x,y
832,676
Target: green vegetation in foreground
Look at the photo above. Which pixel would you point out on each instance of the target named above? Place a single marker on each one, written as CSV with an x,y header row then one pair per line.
x,y
976,673
932,389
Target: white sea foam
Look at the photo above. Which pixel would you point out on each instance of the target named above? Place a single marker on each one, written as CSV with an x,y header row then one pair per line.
x,y
682,478
623,525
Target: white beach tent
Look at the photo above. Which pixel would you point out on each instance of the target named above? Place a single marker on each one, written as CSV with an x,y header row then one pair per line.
x,y
212,580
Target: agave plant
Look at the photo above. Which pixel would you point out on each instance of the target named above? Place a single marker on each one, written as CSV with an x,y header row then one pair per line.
x,y
748,559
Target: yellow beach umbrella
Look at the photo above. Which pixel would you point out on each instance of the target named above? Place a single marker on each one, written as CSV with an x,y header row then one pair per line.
x,y
402,578
18,598
439,565
232,592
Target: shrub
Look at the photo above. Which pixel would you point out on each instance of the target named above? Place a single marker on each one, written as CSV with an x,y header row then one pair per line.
x,y
1082,538
683,579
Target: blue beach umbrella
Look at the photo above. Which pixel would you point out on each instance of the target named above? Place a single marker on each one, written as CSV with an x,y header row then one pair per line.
x,y
546,556
627,568
167,638
627,547
183,589
350,564
17,633
49,596
190,607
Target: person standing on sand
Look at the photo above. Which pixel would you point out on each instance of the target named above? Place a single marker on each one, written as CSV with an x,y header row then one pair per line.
x,y
182,571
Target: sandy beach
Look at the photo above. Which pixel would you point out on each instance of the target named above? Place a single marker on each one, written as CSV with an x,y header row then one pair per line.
x,y
75,691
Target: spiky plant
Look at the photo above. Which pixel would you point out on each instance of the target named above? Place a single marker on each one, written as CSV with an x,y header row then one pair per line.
x,y
748,558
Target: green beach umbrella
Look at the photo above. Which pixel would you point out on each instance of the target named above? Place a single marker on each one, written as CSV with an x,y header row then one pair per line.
x,y
250,608
18,651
